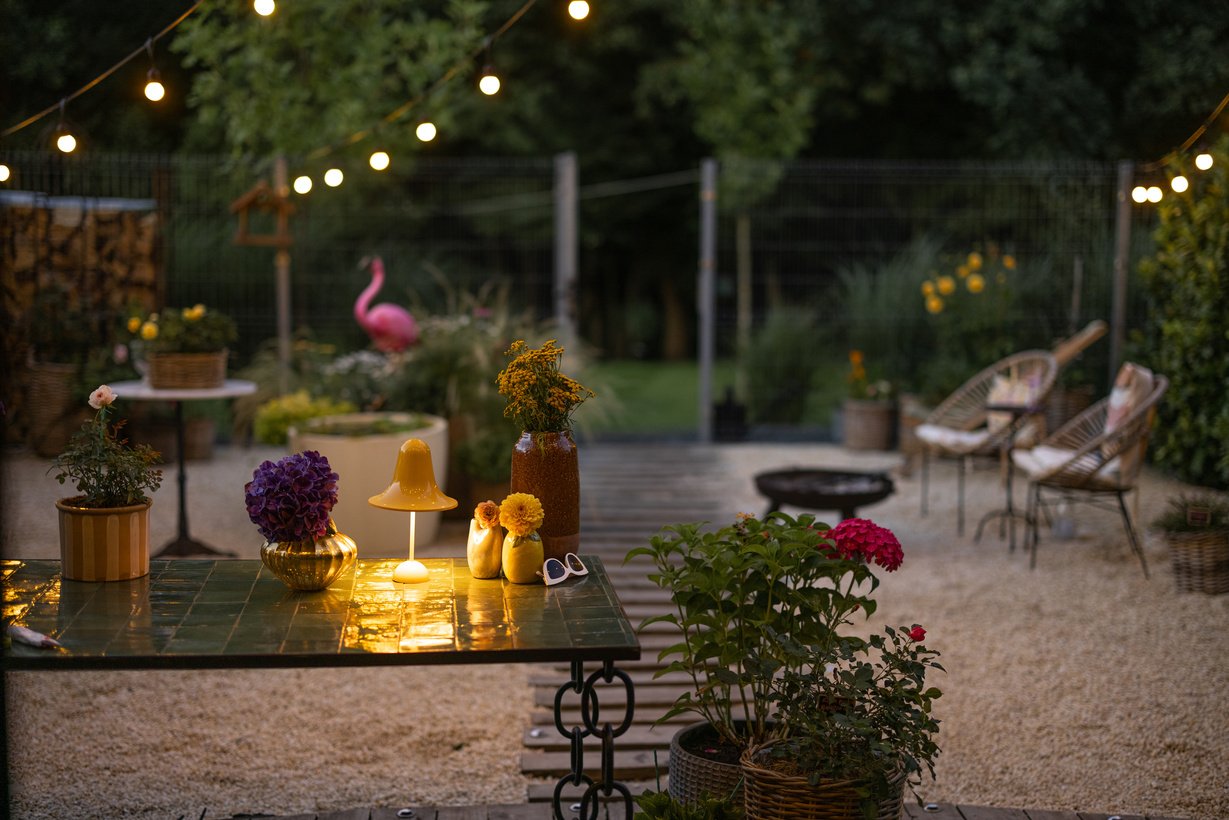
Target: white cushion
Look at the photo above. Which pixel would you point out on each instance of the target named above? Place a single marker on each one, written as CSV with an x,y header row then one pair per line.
x,y
1041,459
952,439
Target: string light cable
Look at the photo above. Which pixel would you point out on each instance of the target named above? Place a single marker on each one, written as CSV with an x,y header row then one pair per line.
x,y
144,48
1156,165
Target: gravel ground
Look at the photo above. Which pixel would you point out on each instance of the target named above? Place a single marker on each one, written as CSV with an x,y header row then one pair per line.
x,y
1077,686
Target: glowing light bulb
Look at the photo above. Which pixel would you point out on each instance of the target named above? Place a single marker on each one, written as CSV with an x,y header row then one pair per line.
x,y
66,143
154,91
264,7
302,184
425,131
1154,193
333,177
489,84
578,9
5,173
379,160
1179,184
1203,162
1139,193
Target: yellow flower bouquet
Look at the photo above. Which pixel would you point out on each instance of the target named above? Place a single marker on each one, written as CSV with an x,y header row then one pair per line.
x,y
540,398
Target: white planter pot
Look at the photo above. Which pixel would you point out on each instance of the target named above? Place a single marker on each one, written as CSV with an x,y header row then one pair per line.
x,y
365,466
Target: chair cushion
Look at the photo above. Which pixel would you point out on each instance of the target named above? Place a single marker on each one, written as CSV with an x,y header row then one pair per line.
x,y
1017,388
1041,459
1132,386
949,438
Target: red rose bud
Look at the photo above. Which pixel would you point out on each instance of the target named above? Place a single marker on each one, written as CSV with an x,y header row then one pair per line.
x,y
917,634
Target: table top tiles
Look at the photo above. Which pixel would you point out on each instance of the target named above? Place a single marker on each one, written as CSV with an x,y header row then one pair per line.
x,y
235,614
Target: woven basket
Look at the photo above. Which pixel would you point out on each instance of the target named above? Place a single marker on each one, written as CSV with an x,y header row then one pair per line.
x,y
694,778
58,413
1200,560
187,371
771,795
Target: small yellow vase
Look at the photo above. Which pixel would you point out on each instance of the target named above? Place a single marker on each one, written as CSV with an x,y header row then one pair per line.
x,y
523,558
483,550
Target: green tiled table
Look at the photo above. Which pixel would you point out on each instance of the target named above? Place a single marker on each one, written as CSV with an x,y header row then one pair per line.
x,y
193,614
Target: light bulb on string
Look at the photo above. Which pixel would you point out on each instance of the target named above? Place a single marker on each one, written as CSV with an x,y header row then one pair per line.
x,y
578,9
302,184
5,173
154,89
1203,162
1155,193
264,7
1140,194
1179,184
425,131
489,82
333,177
379,160
64,139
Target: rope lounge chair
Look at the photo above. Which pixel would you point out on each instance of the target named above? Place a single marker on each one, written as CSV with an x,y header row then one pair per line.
x,y
1097,454
965,424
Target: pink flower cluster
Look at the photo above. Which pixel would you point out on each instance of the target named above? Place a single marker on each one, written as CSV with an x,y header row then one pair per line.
x,y
859,538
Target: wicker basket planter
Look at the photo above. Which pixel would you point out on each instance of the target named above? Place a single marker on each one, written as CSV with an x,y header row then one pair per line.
x,y
187,371
1200,560
695,777
868,424
772,795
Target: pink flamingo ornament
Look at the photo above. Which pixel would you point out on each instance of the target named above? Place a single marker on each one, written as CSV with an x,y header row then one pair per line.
x,y
391,327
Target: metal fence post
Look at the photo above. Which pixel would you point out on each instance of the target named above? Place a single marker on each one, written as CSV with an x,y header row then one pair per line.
x,y
566,254
706,291
281,264
1122,255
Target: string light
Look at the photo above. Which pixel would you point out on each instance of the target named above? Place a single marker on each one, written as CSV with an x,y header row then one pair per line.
x,y
154,89
578,9
264,7
1203,162
379,160
425,131
1179,184
302,184
64,139
5,173
1140,194
1155,193
333,177
489,82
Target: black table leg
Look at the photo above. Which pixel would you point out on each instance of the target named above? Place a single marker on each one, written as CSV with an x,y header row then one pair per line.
x,y
607,785
184,544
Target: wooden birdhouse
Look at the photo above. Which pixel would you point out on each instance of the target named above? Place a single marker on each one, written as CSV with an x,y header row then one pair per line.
x,y
260,200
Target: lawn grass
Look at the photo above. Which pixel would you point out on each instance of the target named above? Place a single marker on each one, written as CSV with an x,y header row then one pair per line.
x,y
657,398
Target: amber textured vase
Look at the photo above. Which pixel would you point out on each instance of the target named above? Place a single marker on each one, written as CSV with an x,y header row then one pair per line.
x,y
547,466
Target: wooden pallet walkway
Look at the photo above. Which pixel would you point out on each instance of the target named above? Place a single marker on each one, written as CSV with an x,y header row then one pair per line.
x,y
541,811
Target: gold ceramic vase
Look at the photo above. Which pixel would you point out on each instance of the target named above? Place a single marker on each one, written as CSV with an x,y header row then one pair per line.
x,y
483,550
522,558
312,563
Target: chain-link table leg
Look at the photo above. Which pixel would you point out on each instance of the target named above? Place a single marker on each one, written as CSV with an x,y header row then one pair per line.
x,y
590,716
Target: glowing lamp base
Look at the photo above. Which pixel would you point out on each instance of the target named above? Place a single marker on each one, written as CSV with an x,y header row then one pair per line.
x,y
410,572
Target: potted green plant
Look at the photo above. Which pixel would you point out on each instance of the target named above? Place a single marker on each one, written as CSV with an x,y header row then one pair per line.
x,y
858,726
735,591
104,529
1196,532
184,348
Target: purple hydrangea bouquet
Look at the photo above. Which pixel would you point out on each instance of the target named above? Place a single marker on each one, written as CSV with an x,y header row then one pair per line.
x,y
291,499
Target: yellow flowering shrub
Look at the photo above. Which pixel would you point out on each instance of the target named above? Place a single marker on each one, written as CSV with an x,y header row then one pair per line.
x,y
521,514
193,329
539,398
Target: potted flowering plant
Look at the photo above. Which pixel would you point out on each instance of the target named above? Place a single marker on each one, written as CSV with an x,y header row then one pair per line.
x,y
541,399
112,480
1196,532
749,598
185,347
869,410
290,502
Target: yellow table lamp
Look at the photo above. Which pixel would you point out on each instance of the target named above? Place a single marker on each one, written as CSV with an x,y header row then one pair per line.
x,y
414,489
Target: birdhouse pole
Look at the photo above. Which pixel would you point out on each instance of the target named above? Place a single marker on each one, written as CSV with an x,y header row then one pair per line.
x,y
282,268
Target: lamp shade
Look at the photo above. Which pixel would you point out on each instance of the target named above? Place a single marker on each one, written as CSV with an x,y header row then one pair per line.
x,y
413,488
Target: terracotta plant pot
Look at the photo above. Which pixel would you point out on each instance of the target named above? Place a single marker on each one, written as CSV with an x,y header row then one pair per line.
x,y
105,544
